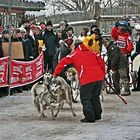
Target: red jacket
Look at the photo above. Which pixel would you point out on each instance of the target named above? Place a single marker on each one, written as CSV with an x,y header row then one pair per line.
x,y
123,40
90,66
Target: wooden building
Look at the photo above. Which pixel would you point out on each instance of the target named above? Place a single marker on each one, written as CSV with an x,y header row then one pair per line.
x,y
16,9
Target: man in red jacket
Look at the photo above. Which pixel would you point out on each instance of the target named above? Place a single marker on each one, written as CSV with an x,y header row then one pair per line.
x,y
91,71
120,33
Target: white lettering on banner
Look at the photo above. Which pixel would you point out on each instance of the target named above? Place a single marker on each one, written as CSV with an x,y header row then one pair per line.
x,y
14,79
15,73
38,74
40,67
27,72
28,69
39,62
1,77
17,68
39,71
28,77
3,71
2,67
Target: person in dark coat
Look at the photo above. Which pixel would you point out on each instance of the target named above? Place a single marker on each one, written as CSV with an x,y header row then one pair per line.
x,y
58,37
33,46
49,39
117,62
26,44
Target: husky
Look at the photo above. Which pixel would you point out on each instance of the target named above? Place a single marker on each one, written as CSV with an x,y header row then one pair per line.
x,y
47,80
61,89
43,100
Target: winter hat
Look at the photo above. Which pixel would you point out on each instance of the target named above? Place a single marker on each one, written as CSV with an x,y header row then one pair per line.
x,y
69,28
62,23
22,29
58,30
64,36
49,23
93,26
97,31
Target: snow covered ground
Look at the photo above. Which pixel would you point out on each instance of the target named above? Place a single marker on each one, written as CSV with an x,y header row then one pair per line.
x,y
19,120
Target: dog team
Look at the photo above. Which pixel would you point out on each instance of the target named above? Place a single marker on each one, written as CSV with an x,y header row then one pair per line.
x,y
89,75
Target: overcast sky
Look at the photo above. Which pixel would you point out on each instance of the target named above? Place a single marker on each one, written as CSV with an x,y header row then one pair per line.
x,y
35,0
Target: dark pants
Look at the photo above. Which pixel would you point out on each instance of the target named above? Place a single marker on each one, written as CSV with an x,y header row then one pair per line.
x,y
89,95
48,62
120,74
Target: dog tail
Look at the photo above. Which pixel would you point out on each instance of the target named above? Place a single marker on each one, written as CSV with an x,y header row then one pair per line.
x,y
33,89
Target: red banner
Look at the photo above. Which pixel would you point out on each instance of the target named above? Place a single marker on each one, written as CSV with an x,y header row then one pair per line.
x,y
3,71
23,73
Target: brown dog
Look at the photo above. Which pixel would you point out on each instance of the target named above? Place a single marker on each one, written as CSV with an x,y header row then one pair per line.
x,y
72,76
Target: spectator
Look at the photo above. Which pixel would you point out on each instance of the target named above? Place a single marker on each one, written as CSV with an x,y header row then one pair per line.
x,y
96,31
62,26
38,38
58,37
49,39
117,62
83,33
70,32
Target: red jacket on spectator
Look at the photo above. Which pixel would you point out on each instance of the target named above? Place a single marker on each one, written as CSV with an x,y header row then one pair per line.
x,y
90,66
123,40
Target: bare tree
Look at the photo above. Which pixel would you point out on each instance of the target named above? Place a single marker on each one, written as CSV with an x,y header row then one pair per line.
x,y
71,5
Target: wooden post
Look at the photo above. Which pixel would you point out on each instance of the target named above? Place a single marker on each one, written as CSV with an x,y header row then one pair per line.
x,y
97,12
10,48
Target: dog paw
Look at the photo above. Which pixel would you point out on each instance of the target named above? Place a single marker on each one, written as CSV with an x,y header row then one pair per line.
x,y
42,116
74,114
53,118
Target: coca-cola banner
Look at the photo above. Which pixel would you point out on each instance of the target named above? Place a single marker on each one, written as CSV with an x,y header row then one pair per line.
x,y
23,73
3,71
